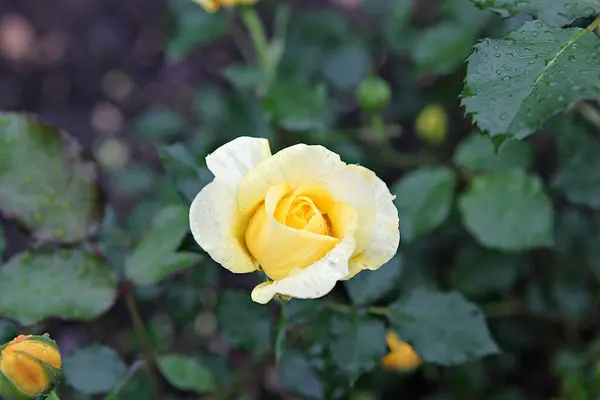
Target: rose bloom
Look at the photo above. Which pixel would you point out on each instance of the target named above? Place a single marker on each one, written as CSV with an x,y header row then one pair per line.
x,y
302,216
402,357
29,367
214,5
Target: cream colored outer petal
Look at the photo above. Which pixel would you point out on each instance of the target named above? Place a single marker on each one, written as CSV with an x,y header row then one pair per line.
x,y
297,165
319,278
219,228
386,236
232,161
352,185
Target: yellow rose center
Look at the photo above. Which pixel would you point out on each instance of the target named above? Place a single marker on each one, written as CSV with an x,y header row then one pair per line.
x,y
291,230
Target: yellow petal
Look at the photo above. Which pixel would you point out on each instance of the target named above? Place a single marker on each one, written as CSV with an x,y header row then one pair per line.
x,y
314,166
37,350
280,249
385,237
319,278
232,161
393,341
25,372
404,361
402,356
219,228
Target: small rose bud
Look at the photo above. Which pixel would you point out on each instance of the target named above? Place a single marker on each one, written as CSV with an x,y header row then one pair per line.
x,y
30,366
373,94
432,124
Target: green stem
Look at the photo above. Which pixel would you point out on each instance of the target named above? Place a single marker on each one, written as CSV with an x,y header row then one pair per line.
x,y
379,129
595,23
259,38
140,331
378,310
53,396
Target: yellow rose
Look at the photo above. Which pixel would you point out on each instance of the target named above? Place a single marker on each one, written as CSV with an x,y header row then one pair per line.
x,y
214,5
402,357
432,124
29,367
303,216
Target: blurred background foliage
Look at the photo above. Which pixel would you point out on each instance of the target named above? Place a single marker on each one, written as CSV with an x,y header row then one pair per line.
x,y
495,284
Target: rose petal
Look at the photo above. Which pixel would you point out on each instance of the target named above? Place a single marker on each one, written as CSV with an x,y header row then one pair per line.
x,y
386,236
219,228
232,161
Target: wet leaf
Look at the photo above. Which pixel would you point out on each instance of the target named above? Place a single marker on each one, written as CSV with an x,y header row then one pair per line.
x,y
552,12
514,84
508,211
155,256
424,198
186,373
69,284
443,328
56,196
94,369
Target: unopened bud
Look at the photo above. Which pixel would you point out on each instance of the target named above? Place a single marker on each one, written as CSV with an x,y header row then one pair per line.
x,y
30,366
432,124
373,94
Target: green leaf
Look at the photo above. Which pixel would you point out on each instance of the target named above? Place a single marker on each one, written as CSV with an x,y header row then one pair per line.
x,y
186,373
476,154
56,196
187,174
553,12
33,286
154,257
443,328
508,211
299,377
344,68
298,107
193,27
397,30
358,343
478,272
424,198
443,48
370,286
514,84
300,311
244,323
159,123
8,330
579,180
244,77
94,369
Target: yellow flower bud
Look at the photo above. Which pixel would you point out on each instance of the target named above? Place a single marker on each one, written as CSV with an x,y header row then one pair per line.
x,y
432,124
214,5
402,357
30,366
